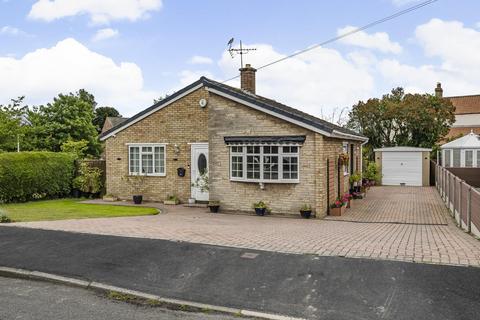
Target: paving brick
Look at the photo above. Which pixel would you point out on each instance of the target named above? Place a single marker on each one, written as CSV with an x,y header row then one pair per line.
x,y
438,240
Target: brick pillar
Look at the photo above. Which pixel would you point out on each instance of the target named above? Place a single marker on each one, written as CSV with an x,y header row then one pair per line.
x,y
247,78
332,181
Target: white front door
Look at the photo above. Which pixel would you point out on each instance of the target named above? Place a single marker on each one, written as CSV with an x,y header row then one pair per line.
x,y
402,167
198,167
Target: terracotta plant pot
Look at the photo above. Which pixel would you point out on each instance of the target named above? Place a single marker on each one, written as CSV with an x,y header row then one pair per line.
x,y
350,204
337,211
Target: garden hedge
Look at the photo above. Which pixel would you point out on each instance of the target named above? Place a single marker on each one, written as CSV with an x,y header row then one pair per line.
x,y
34,175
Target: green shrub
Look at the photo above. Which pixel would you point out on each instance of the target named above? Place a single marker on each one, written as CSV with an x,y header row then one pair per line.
x,y
4,218
34,175
373,172
88,179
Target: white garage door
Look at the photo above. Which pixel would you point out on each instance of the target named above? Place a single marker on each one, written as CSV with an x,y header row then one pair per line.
x,y
402,167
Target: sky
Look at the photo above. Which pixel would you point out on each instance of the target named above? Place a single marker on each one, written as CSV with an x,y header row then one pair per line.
x,y
129,52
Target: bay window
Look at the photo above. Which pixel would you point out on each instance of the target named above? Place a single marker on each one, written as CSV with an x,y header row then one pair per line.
x,y
147,159
265,163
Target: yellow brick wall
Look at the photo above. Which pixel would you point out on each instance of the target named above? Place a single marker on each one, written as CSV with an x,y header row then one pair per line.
x,y
180,123
184,122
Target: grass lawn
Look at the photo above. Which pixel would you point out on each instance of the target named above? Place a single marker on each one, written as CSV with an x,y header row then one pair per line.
x,y
69,209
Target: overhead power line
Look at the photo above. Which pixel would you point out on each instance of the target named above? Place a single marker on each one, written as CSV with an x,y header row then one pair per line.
x,y
344,35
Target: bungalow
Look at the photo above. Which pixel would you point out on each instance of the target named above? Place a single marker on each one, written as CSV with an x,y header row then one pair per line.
x,y
252,148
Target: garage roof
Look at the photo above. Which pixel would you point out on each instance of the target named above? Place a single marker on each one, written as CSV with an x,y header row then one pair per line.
x,y
469,141
403,149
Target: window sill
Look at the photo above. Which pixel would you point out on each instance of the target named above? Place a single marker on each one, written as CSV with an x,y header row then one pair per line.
x,y
267,181
147,175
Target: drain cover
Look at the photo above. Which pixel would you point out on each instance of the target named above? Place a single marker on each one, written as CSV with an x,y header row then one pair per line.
x,y
249,255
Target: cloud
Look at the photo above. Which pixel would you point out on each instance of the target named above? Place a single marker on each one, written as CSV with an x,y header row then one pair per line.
x,y
455,60
69,66
200,60
12,31
99,11
316,82
377,41
104,34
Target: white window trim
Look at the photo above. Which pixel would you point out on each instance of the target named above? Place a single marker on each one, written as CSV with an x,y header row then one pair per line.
x,y
153,145
261,154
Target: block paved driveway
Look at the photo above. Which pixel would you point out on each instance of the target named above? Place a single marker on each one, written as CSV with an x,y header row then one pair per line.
x,y
394,223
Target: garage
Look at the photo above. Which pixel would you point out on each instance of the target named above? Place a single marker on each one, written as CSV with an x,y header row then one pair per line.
x,y
407,166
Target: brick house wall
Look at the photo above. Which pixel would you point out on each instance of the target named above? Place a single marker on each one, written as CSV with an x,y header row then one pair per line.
x,y
183,122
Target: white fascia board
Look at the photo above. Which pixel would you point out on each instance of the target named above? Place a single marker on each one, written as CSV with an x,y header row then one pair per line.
x,y
338,134
272,113
161,106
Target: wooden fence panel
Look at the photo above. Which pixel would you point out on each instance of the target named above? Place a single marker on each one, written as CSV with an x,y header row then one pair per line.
x,y
475,213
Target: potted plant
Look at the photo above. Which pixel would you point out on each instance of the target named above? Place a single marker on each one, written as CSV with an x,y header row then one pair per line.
x,y
306,211
372,173
343,158
172,200
137,182
260,208
338,207
355,181
88,180
214,206
348,199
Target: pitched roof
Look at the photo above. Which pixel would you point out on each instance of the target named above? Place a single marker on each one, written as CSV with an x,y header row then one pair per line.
x,y
469,141
258,102
117,120
466,104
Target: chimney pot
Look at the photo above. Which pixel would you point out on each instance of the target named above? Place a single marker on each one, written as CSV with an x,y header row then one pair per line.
x,y
247,78
439,90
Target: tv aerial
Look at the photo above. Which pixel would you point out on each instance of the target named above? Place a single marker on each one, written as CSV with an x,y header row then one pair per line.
x,y
241,50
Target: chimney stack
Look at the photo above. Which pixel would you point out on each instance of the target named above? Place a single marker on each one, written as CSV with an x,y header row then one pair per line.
x,y
247,78
439,90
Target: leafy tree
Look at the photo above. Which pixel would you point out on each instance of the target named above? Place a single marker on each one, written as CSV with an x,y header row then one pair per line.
x,y
79,148
399,119
12,120
101,113
68,117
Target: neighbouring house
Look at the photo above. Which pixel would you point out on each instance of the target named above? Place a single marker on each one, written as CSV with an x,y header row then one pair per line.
x,y
111,122
463,152
252,148
467,113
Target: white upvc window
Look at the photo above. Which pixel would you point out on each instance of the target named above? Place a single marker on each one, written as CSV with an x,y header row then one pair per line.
x,y
447,158
148,159
478,158
468,158
456,158
265,163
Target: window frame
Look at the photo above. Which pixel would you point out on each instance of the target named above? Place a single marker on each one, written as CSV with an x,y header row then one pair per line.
x,y
140,152
464,164
281,154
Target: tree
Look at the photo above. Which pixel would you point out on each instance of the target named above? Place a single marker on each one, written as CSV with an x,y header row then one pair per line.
x,y
68,118
101,114
399,119
12,120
